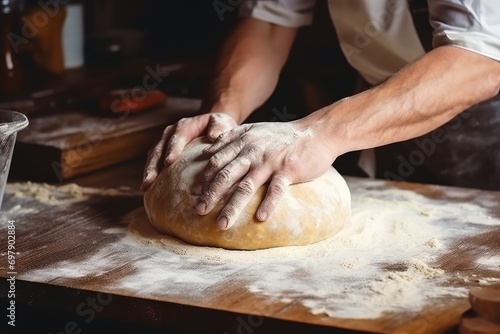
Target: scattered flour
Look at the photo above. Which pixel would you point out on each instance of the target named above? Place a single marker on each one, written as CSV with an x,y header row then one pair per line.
x,y
57,195
489,262
383,262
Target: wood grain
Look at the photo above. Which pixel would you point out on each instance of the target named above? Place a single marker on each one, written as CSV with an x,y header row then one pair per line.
x,y
76,233
75,143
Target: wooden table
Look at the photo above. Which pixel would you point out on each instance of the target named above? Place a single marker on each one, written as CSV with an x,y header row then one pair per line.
x,y
55,292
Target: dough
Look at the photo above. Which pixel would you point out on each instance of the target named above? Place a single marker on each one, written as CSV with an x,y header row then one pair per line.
x,y
308,212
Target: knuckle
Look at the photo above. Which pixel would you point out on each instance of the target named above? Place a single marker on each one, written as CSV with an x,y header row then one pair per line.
x,y
244,163
150,174
291,165
174,140
245,188
253,151
240,143
223,177
276,189
230,211
153,153
214,162
206,176
156,151
182,121
291,160
209,195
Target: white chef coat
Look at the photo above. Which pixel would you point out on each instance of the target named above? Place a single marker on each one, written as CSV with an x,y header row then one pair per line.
x,y
378,37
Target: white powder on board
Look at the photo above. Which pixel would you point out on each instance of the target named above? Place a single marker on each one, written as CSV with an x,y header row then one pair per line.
x,y
489,262
57,195
384,261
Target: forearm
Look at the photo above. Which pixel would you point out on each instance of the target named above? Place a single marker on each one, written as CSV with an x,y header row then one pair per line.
x,y
418,99
249,67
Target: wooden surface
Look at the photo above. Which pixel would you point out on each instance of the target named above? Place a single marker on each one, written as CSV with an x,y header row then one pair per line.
x,y
57,237
75,143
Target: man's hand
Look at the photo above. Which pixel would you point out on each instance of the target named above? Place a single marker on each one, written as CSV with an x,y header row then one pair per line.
x,y
175,137
252,154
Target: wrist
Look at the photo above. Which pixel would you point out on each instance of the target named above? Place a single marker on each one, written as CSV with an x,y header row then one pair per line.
x,y
222,99
228,109
328,130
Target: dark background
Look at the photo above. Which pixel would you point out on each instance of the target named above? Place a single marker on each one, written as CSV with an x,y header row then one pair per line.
x,y
191,32
179,31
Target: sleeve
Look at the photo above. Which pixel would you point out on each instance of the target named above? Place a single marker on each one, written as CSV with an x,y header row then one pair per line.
x,y
470,24
288,13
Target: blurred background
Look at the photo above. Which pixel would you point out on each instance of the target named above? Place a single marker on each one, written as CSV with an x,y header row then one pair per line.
x,y
127,34
62,56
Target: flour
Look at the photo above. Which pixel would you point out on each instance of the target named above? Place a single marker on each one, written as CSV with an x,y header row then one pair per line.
x,y
141,231
384,261
57,195
489,262
15,211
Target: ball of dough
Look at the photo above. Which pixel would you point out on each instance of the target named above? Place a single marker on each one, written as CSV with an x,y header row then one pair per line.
x,y
308,212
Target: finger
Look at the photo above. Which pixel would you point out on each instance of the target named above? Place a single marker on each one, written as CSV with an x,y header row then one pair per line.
x,y
244,192
218,124
186,130
275,191
223,181
226,138
174,148
217,162
153,165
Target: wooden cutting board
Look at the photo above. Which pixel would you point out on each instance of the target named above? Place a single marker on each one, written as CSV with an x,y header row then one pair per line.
x,y
60,147
68,253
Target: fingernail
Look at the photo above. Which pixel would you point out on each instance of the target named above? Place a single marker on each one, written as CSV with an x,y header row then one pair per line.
x,y
214,135
262,216
201,207
222,223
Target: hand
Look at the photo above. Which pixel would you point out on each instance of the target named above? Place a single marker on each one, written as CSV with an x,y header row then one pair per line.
x,y
252,154
175,137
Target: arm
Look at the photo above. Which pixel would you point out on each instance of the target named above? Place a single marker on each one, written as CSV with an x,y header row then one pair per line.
x,y
419,98
249,67
247,73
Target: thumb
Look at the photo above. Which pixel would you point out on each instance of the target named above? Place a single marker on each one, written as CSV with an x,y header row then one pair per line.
x,y
218,124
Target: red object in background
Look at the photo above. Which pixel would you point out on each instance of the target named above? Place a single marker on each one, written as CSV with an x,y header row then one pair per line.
x,y
126,101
